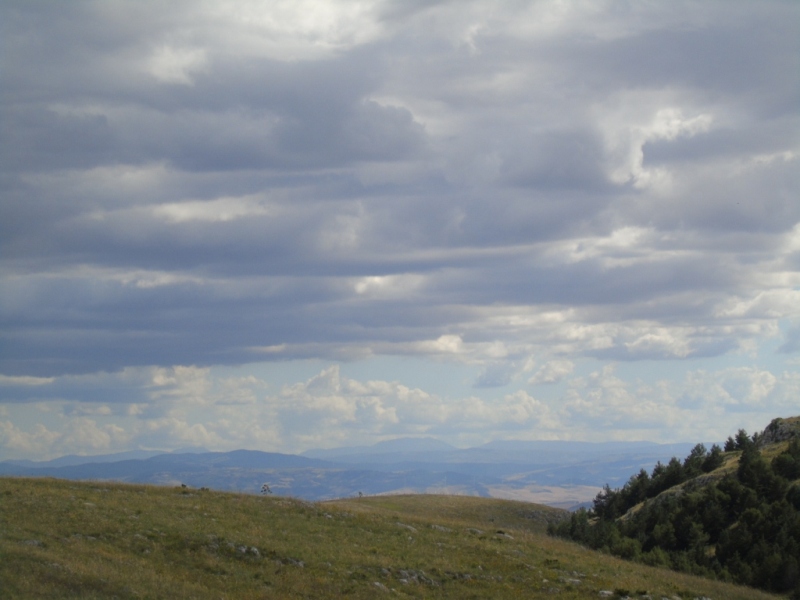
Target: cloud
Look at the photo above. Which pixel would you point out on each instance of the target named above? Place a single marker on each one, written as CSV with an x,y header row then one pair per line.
x,y
176,65
183,406
80,435
17,442
216,184
23,380
743,389
705,405
552,372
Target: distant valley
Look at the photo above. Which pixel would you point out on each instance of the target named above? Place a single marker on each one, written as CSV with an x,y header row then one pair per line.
x,y
560,474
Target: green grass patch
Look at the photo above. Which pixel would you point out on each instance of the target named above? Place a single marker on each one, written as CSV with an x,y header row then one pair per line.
x,y
66,539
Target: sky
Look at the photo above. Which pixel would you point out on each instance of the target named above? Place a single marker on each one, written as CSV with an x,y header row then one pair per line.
x,y
296,224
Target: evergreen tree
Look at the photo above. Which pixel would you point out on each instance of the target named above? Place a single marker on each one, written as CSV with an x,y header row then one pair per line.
x,y
693,464
742,440
787,463
713,460
744,527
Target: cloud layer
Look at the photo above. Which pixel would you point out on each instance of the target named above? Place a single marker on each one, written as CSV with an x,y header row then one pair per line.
x,y
190,406
517,188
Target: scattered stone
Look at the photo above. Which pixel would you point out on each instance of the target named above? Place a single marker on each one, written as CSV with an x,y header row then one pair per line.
x,y
214,544
569,580
292,561
409,527
37,543
380,586
475,531
409,575
606,593
440,528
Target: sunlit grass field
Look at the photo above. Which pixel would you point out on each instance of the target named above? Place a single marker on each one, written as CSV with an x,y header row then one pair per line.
x,y
66,539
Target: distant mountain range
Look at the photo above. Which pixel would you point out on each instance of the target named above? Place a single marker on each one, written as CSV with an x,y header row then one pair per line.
x,y
564,474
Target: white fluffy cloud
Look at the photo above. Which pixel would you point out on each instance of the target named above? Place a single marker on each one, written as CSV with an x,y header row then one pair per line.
x,y
552,372
546,183
231,412
223,412
705,405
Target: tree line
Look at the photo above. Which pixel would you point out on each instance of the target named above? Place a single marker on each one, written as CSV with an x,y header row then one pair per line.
x,y
743,527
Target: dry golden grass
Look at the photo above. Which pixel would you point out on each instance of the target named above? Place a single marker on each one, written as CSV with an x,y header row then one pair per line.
x,y
65,539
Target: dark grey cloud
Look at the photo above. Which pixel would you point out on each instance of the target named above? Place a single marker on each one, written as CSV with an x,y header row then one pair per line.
x,y
761,137
710,59
179,187
554,160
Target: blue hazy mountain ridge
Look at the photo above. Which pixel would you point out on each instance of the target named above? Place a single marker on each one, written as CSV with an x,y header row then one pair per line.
x,y
417,451
387,447
401,465
239,470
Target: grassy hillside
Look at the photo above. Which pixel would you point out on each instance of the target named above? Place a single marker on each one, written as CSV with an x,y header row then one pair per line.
x,y
64,539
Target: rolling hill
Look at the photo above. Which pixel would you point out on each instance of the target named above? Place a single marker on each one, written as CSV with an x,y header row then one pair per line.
x,y
68,539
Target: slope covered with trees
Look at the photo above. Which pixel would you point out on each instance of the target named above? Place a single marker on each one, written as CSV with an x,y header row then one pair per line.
x,y
731,513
